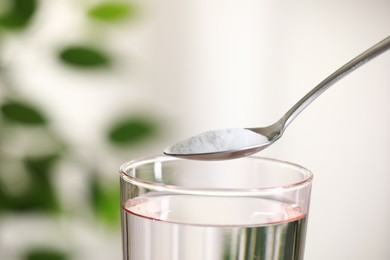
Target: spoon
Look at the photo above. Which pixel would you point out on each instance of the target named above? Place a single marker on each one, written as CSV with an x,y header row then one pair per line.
x,y
272,132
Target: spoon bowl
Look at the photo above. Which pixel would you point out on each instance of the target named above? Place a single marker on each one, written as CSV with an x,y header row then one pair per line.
x,y
272,132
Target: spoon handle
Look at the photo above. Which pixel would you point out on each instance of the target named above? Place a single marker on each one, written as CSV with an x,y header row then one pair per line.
x,y
360,60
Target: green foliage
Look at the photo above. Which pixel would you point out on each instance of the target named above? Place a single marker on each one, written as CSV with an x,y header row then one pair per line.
x,y
105,201
19,15
22,113
40,194
132,131
84,57
45,254
37,192
111,11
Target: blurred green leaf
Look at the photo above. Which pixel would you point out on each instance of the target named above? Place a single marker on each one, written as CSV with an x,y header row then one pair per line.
x,y
22,113
132,131
3,198
111,11
41,165
105,201
45,254
82,56
19,15
40,195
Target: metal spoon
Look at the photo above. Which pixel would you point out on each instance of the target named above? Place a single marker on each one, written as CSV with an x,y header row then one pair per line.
x,y
276,130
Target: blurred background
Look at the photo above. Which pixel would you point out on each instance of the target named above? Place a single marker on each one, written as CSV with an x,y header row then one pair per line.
x,y
86,85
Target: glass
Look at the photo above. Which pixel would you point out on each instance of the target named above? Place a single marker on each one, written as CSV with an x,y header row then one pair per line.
x,y
248,208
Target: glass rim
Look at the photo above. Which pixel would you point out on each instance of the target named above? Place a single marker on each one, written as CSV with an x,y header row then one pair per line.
x,y
307,174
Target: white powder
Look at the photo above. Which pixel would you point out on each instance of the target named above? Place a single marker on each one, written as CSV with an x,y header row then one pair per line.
x,y
219,140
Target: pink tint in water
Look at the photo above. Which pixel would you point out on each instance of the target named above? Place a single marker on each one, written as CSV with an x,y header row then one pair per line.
x,y
187,227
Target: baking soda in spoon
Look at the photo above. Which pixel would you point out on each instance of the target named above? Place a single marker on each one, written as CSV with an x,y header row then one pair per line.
x,y
236,143
217,141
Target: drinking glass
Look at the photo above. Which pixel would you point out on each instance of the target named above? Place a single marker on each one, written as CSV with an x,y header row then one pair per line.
x,y
248,208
